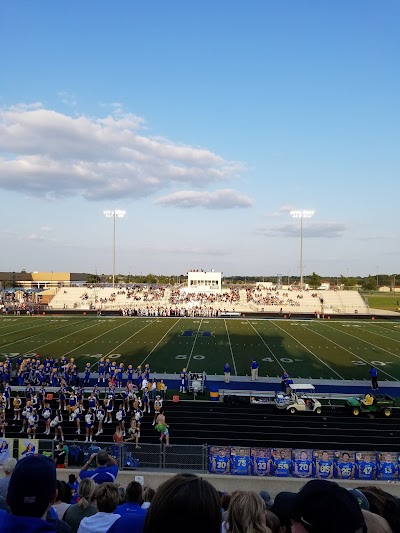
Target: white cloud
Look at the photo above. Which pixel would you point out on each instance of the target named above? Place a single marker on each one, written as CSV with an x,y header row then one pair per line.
x,y
220,199
311,230
47,153
67,98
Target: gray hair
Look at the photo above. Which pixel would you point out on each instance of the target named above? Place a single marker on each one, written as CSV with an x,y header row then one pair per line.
x,y
9,465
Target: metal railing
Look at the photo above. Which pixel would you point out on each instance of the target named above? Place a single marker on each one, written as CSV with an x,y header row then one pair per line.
x,y
190,458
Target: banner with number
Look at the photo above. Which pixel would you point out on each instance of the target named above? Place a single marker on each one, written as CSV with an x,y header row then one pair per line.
x,y
219,459
324,463
365,465
281,462
6,449
387,465
27,447
345,464
302,463
240,461
261,461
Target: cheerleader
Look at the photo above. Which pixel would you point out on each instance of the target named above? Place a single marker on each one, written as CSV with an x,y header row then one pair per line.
x,y
120,416
89,419
101,371
34,401
17,402
42,397
137,403
86,379
92,400
3,424
119,374
72,403
62,399
54,378
26,413
77,414
157,408
7,395
33,423
146,402
129,372
56,423
100,417
109,410
80,395
46,413
127,395
134,432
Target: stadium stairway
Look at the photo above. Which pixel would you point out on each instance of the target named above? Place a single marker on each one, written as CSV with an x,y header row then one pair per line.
x,y
204,422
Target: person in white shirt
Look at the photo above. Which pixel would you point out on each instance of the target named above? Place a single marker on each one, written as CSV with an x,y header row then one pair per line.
x,y
107,500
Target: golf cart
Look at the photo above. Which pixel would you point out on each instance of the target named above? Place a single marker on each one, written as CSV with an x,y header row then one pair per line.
x,y
371,405
298,399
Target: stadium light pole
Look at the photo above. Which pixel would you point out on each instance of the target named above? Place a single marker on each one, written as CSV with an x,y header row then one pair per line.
x,y
301,213
114,214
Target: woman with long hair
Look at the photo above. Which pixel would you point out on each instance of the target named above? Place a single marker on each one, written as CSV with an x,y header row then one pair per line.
x,y
246,514
76,512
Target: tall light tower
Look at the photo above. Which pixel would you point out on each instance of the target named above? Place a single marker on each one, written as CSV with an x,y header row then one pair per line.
x,y
301,214
114,214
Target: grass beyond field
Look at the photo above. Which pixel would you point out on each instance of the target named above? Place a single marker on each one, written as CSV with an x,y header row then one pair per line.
x,y
390,302
306,349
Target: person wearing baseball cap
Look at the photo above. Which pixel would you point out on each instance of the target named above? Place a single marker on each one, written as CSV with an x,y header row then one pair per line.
x,y
31,491
322,506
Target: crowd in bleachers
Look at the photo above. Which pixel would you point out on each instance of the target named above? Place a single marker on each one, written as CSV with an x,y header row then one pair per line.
x,y
182,297
165,311
260,296
33,500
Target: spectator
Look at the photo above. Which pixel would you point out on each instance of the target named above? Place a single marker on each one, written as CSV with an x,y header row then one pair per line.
x,y
383,504
246,512
373,372
60,456
32,489
376,523
104,472
272,521
84,508
132,515
60,505
148,495
322,506
184,503
107,497
8,468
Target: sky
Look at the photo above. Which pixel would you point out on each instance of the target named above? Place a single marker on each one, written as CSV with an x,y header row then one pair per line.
x,y
207,122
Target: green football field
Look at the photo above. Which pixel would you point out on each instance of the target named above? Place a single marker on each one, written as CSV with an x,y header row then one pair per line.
x,y
307,349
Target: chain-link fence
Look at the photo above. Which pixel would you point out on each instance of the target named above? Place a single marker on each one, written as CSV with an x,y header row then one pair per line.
x,y
129,456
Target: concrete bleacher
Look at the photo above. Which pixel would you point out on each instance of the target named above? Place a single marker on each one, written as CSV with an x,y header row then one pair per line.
x,y
289,301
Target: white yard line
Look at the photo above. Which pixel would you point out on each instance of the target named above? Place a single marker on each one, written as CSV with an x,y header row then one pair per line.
x,y
308,350
194,344
380,335
230,346
43,333
351,353
366,342
269,349
162,338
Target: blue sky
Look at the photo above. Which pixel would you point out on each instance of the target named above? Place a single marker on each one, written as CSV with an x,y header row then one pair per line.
x,y
207,122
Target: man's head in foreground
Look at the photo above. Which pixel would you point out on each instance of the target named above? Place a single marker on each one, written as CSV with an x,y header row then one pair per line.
x,y
32,486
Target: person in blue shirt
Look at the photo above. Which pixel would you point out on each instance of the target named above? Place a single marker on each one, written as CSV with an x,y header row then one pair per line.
x,y
86,379
101,371
106,471
282,465
227,372
366,468
132,515
324,466
220,463
303,465
345,467
183,377
261,464
373,372
240,463
387,469
285,381
254,370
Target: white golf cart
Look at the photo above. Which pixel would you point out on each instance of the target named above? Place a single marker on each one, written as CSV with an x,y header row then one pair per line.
x,y
298,399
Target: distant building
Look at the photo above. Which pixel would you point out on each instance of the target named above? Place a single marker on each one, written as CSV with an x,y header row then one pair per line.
x,y
201,281
40,280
